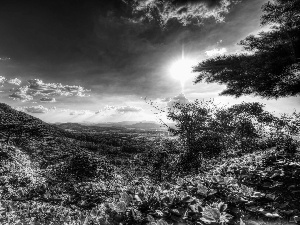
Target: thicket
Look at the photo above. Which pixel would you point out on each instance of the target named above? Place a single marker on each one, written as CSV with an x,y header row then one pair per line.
x,y
259,185
207,132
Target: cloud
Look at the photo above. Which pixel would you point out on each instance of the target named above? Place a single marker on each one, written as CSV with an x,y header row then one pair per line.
x,y
183,11
44,110
127,109
36,109
37,87
80,112
15,81
2,80
47,99
106,111
4,58
216,51
181,99
165,99
118,110
21,94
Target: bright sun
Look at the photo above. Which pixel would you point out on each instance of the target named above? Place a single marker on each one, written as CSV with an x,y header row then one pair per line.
x,y
181,69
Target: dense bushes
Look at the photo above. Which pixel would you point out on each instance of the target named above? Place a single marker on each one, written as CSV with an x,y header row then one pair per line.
x,y
235,190
82,166
208,131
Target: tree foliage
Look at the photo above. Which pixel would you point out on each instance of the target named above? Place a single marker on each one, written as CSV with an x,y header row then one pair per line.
x,y
270,68
208,131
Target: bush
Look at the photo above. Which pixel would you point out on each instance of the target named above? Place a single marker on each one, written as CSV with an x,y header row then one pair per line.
x,y
82,167
131,149
208,131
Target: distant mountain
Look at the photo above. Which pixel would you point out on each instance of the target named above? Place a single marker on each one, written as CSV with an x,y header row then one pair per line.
x,y
88,127
146,126
113,126
117,124
71,126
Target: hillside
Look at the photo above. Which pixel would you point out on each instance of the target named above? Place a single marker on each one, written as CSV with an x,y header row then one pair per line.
x,y
50,175
15,124
44,143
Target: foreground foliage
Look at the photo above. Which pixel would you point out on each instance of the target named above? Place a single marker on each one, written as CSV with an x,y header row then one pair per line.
x,y
257,185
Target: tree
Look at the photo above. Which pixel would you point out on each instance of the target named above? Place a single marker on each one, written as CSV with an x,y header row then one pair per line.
x,y
270,68
207,131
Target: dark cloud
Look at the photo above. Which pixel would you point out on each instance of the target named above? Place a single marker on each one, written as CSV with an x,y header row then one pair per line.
x,y
59,32
208,3
114,47
80,113
182,12
46,99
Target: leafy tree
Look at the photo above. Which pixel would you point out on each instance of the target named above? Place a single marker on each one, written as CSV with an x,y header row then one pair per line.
x,y
193,122
270,68
208,131
195,126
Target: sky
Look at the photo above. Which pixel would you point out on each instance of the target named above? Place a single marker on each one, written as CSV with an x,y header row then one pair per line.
x,y
97,61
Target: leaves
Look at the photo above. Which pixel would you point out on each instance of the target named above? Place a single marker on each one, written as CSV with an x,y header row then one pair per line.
x,y
222,206
120,206
271,68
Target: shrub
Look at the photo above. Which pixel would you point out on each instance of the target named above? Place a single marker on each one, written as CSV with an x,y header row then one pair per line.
x,y
82,166
208,131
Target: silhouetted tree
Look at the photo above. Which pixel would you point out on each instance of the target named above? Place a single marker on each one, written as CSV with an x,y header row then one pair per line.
x,y
271,67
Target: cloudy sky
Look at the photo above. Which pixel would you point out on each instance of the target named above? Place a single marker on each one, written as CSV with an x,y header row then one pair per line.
x,y
97,60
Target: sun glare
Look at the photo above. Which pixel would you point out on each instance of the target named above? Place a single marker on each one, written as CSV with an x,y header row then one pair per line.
x,y
181,69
